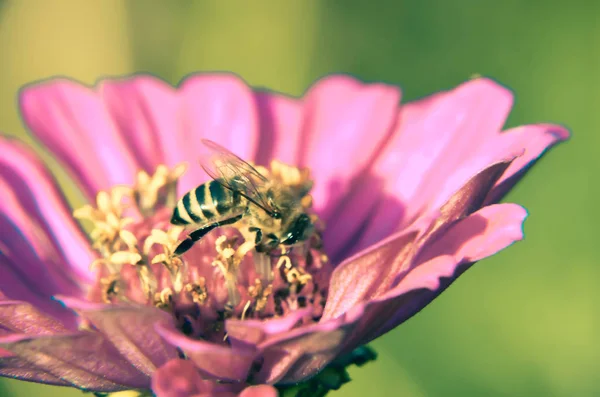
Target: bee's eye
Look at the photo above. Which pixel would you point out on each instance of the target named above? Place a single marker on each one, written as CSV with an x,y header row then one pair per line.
x,y
276,215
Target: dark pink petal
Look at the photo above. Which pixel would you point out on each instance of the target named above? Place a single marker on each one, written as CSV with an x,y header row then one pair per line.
x,y
214,361
259,391
375,269
85,360
434,138
221,108
254,332
144,109
535,140
43,251
131,330
280,128
292,356
17,368
485,232
16,286
480,235
372,272
460,188
345,124
180,378
23,318
31,196
73,122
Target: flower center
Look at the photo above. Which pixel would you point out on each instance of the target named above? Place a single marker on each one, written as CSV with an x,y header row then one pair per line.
x,y
222,276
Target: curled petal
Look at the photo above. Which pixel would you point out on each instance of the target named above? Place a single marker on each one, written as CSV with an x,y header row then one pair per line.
x,y
534,140
254,332
375,269
433,140
259,391
180,378
458,196
214,361
482,234
298,354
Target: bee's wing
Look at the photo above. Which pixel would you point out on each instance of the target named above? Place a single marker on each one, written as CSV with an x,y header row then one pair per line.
x,y
234,173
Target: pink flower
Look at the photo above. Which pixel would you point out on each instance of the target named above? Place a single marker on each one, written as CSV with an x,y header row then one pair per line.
x,y
408,195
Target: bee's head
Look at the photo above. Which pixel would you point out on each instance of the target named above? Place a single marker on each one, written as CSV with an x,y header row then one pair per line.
x,y
299,230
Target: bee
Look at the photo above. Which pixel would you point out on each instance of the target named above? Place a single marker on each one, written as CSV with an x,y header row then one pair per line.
x,y
239,195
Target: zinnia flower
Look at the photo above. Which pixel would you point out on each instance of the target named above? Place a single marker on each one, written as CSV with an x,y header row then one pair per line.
x,y
406,199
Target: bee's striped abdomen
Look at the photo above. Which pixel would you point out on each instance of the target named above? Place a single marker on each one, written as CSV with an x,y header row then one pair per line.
x,y
204,204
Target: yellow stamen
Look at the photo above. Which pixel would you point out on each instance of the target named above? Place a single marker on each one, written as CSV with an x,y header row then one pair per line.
x,y
197,291
284,259
168,242
297,276
158,189
246,307
260,294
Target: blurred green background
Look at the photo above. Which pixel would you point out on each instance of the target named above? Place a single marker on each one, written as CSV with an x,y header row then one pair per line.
x,y
523,323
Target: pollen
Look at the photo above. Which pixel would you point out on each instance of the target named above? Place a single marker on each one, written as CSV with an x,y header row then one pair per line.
x,y
158,189
259,294
163,298
109,234
228,260
222,276
197,291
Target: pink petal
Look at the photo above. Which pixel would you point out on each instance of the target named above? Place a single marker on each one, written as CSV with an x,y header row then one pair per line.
x,y
34,205
131,330
15,285
259,391
435,137
254,332
345,124
73,122
480,235
487,231
17,368
375,269
298,354
214,361
372,272
488,165
535,140
145,112
180,378
221,108
85,360
280,128
23,318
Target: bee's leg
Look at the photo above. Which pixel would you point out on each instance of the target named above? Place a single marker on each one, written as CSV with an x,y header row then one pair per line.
x,y
203,231
259,234
269,245
274,241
